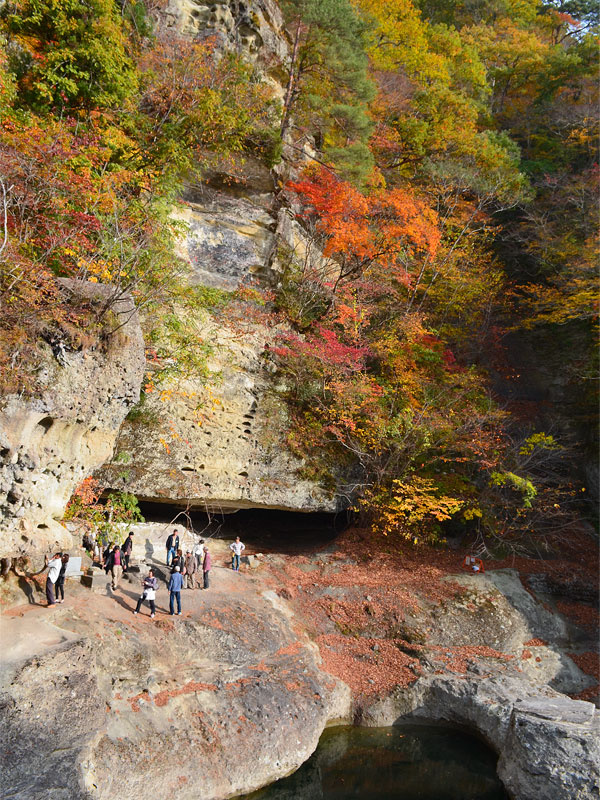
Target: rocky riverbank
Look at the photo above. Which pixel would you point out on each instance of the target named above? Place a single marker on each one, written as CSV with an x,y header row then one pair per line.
x,y
236,692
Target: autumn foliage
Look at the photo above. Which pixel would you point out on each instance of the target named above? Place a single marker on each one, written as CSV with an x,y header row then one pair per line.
x,y
445,187
383,228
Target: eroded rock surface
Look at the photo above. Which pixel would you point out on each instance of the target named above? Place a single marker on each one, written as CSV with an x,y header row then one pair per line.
x,y
232,694
217,442
205,706
50,442
255,26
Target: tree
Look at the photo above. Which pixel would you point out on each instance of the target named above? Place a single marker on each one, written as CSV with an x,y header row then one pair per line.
x,y
68,54
384,229
328,87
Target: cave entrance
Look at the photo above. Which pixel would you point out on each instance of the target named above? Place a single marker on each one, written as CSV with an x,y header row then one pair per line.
x,y
265,530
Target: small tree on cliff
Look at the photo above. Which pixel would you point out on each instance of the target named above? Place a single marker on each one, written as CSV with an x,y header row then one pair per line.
x,y
328,87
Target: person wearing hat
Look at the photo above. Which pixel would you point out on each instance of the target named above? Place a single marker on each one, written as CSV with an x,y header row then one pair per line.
x,y
126,550
175,586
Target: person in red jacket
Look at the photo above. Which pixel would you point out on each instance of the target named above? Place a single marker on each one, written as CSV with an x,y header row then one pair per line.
x,y
206,566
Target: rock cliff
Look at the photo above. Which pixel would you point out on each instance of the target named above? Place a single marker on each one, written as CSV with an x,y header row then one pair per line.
x,y
50,442
218,441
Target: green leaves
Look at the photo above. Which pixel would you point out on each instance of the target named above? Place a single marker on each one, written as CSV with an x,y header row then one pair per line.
x,y
68,54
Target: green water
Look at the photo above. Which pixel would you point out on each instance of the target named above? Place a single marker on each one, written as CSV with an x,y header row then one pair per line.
x,y
400,763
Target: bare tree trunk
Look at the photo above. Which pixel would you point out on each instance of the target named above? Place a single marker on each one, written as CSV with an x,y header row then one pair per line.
x,y
292,83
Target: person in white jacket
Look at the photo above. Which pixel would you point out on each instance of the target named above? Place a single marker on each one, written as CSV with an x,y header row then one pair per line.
x,y
198,552
53,566
237,548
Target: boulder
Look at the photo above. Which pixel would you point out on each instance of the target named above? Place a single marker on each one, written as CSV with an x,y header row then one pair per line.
x,y
207,706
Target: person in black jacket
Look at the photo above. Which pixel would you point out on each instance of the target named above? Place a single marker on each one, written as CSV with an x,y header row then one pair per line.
x,y
178,561
106,556
172,545
59,586
126,550
114,565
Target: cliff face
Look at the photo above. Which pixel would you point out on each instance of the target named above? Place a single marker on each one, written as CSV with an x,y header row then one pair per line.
x,y
49,443
218,442
255,27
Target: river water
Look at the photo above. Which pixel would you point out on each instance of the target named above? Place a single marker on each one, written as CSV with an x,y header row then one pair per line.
x,y
399,763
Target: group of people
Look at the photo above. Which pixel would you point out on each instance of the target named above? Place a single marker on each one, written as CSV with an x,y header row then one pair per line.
x,y
55,580
196,562
190,571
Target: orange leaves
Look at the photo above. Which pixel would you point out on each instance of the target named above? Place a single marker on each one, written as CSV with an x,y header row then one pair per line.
x,y
385,228
88,491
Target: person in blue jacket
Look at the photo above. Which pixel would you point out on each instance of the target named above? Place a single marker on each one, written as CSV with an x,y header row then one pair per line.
x,y
175,584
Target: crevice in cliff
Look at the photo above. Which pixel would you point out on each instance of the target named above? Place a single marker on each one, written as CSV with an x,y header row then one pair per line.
x,y
263,529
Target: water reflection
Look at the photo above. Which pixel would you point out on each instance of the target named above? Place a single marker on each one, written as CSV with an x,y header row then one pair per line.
x,y
400,763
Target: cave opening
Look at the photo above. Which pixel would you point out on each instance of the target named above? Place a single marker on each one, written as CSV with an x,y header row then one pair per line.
x,y
266,530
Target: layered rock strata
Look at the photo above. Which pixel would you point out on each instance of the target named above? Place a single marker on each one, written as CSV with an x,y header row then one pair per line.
x,y
216,443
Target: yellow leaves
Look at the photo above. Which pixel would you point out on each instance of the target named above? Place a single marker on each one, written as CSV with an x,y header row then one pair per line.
x,y
412,503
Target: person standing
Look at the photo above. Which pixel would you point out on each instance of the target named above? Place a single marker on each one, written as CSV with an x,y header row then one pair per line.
x,y
126,550
106,556
190,570
237,549
172,545
53,566
175,584
150,585
59,586
178,561
198,552
116,566
206,566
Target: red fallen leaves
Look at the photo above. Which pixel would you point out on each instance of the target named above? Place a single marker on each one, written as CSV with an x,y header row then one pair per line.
x,y
591,694
371,598
590,664
583,615
456,659
135,700
363,669
162,698
587,662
